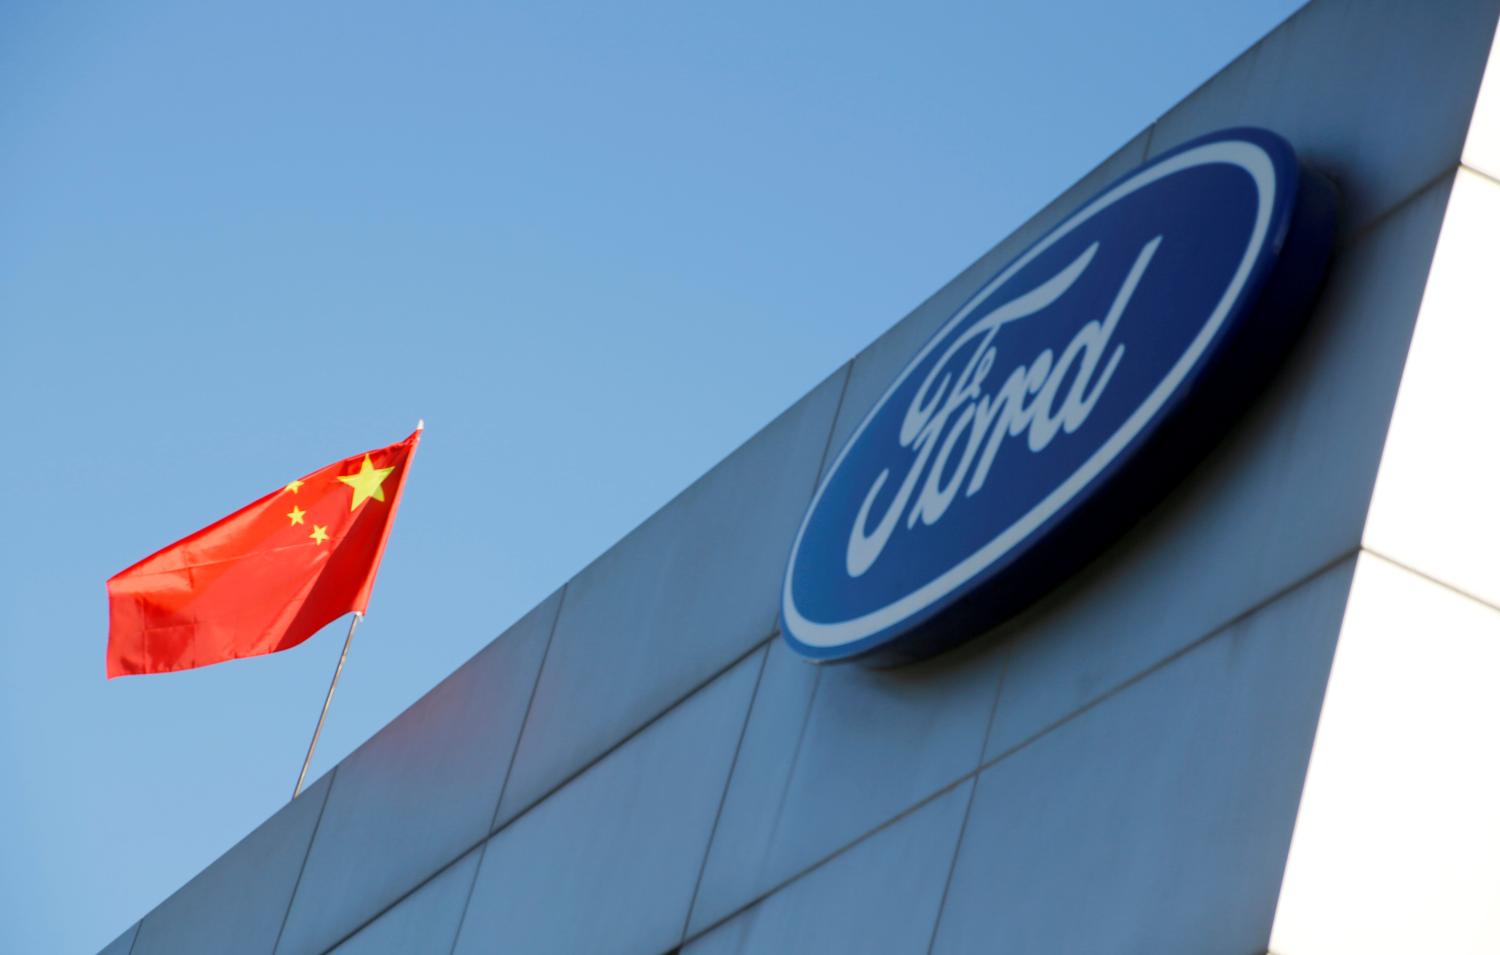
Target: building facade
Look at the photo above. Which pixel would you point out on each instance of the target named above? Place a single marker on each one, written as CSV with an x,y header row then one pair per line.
x,y
1264,720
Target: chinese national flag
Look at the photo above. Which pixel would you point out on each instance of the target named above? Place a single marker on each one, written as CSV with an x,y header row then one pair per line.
x,y
266,577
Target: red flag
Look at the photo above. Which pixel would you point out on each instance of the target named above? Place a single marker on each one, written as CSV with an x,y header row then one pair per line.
x,y
266,577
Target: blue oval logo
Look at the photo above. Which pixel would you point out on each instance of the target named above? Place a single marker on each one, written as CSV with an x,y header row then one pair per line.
x,y
1060,401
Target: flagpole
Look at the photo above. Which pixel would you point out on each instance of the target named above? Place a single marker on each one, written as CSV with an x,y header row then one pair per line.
x,y
349,638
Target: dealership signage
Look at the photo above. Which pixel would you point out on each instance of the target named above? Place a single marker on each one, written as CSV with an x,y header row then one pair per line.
x,y
1064,398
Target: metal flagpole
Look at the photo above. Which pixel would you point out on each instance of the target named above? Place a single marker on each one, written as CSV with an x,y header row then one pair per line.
x,y
302,776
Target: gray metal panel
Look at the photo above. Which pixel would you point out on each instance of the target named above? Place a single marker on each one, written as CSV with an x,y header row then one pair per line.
x,y
881,895
1285,494
423,923
238,903
733,874
873,744
1376,94
420,791
686,593
608,862
1159,820
877,366
121,945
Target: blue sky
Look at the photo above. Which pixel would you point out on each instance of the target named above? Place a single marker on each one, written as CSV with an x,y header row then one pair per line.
x,y
596,246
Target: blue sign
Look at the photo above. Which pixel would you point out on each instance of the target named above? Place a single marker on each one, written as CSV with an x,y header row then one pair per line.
x,y
1061,401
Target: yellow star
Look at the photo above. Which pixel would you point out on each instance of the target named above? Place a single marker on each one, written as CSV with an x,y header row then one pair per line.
x,y
293,486
296,514
366,483
319,534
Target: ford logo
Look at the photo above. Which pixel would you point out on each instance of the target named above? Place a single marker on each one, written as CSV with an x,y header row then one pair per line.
x,y
1061,401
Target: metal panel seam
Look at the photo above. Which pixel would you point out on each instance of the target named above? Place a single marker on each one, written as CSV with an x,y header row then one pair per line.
x,y
909,810
638,730
421,884
1479,172
1344,243
292,897
963,825
833,424
468,896
530,699
791,769
1150,132
1177,654
1429,578
724,793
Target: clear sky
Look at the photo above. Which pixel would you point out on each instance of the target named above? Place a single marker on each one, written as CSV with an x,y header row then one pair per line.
x,y
596,246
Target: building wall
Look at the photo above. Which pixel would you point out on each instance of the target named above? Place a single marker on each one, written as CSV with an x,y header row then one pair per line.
x,y
639,764
1397,845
